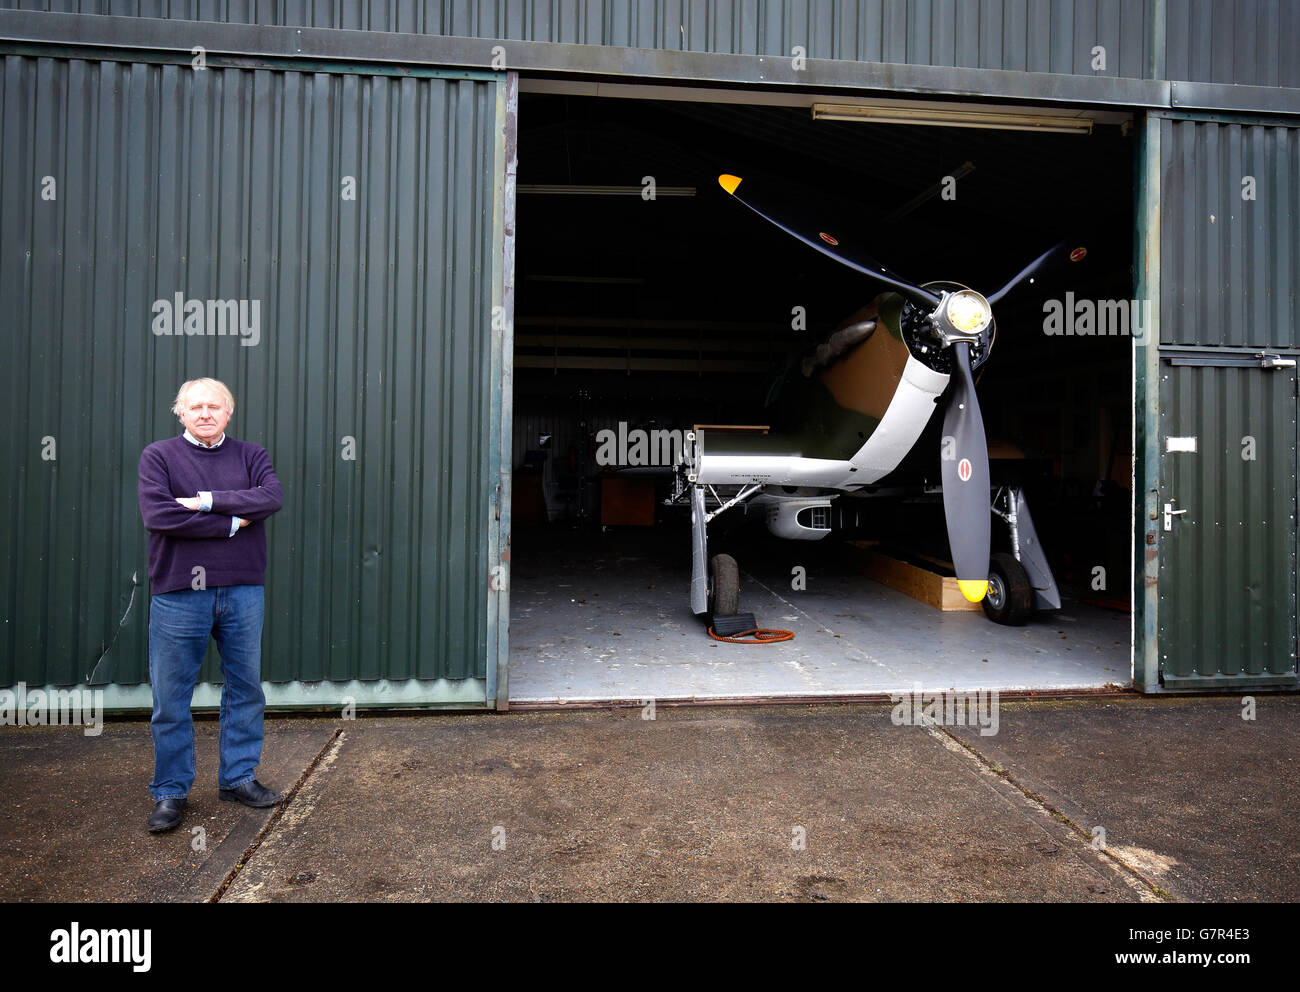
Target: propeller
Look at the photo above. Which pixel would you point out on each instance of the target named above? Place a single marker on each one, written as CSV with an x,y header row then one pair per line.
x,y
964,465
1055,255
964,454
825,239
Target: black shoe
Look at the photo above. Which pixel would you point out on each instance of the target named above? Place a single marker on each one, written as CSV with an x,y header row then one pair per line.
x,y
252,793
166,815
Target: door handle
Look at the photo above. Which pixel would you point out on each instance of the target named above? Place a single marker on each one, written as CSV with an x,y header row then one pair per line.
x,y
1170,513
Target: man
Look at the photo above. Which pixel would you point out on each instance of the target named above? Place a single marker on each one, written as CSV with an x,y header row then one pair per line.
x,y
203,497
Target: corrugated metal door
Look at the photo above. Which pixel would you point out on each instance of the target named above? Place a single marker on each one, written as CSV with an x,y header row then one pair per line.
x,y
1228,521
363,212
1226,505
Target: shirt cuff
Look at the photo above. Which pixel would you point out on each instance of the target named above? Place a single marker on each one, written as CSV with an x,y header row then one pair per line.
x,y
234,525
205,501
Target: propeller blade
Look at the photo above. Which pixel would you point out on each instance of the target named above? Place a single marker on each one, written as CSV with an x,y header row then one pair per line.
x,y
1058,254
827,240
964,463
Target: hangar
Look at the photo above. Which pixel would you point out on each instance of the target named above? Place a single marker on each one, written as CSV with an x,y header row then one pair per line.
x,y
481,235
639,315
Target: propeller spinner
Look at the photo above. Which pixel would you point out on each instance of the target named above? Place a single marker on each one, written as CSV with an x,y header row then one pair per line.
x,y
956,322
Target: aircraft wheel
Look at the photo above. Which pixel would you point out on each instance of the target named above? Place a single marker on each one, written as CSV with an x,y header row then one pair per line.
x,y
1010,599
724,586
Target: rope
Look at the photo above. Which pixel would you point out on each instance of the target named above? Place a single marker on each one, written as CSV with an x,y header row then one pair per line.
x,y
762,635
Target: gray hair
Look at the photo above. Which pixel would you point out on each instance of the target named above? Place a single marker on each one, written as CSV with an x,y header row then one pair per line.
x,y
214,384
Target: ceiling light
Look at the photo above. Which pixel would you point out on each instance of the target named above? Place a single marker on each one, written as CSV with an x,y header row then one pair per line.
x,y
571,190
951,118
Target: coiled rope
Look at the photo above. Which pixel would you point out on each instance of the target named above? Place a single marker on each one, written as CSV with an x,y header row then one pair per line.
x,y
762,635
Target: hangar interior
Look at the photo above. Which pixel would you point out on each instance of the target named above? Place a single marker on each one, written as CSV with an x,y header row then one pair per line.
x,y
661,314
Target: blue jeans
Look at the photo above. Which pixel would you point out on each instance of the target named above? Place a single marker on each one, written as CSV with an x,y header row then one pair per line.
x,y
179,626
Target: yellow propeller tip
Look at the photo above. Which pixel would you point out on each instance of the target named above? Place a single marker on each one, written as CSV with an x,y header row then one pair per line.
x,y
973,589
729,183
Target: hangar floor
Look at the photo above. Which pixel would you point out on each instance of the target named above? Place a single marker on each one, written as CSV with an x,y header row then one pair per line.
x,y
606,617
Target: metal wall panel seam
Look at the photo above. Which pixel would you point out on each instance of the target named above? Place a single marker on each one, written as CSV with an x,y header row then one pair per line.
x,y
501,698
1145,418
492,582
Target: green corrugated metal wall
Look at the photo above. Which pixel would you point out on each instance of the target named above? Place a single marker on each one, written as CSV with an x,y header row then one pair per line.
x,y
1033,35
1233,264
1249,42
227,183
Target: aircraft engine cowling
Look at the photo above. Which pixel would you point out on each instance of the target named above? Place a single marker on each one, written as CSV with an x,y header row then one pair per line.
x,y
799,519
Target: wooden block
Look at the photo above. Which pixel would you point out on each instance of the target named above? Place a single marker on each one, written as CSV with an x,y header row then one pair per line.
x,y
527,504
914,579
627,502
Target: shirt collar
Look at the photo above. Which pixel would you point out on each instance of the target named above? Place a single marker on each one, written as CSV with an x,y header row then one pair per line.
x,y
199,444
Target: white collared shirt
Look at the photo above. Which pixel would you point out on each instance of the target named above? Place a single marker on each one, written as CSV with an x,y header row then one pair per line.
x,y
205,496
195,441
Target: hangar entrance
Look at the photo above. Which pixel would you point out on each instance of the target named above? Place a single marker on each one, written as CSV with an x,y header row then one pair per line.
x,y
648,301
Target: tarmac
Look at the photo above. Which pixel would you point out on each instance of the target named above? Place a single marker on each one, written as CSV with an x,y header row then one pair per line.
x,y
1115,799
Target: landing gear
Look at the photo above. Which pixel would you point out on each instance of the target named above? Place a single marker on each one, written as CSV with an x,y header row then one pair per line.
x,y
1010,597
724,586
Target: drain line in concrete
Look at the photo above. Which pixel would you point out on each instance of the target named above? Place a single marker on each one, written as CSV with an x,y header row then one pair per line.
x,y
325,755
1132,876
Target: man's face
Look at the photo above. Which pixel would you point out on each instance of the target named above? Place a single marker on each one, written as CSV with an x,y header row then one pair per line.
x,y
204,413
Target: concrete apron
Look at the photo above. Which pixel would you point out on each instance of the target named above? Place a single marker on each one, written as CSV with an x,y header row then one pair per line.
x,y
76,807
827,802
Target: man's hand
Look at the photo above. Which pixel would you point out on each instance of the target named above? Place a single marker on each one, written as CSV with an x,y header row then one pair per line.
x,y
189,502
243,522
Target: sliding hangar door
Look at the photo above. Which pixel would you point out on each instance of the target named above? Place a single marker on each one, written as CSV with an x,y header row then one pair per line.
x,y
358,217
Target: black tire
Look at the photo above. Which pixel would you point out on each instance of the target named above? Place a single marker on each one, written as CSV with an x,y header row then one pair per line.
x,y
724,586
1010,599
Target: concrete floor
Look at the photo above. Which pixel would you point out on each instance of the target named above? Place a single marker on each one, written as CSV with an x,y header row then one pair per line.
x,y
606,617
75,810
698,804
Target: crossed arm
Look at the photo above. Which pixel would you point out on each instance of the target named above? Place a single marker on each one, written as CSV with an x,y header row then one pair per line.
x,y
259,501
229,509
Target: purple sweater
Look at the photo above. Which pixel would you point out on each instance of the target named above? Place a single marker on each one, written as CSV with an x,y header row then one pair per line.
x,y
243,484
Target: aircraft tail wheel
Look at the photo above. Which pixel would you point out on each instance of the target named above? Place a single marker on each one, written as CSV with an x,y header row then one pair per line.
x,y
1010,597
724,586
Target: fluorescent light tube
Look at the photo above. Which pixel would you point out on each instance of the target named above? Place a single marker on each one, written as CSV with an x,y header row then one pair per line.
x,y
951,118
